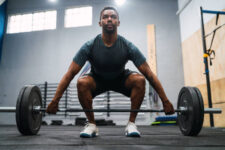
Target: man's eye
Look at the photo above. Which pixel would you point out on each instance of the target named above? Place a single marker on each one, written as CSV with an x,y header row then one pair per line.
x,y
114,17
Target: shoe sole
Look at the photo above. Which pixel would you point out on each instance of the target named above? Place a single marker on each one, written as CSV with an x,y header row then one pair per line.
x,y
133,134
85,135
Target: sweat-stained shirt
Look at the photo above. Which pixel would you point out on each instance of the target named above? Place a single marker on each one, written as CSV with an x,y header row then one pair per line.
x,y
108,62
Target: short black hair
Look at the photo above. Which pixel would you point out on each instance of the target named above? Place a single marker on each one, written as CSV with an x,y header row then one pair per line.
x,y
109,8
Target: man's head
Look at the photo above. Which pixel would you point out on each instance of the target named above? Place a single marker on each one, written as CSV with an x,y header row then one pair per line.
x,y
109,20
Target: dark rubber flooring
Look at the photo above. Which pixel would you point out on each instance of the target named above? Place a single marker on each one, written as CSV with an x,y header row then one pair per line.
x,y
111,138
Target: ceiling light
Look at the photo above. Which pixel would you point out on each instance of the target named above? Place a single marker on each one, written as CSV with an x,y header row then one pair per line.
x,y
120,2
52,1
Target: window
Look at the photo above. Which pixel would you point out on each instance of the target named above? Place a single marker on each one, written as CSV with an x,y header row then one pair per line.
x,y
76,17
37,21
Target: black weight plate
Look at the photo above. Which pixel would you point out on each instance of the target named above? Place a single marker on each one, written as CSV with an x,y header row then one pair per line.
x,y
200,117
190,121
184,121
18,108
30,121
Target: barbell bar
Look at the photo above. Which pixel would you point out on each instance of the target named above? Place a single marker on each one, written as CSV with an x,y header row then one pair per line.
x,y
190,110
181,109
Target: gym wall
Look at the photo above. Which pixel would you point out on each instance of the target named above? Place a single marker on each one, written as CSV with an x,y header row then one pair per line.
x,y
192,51
36,57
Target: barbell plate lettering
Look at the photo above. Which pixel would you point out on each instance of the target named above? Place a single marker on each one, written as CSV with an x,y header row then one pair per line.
x,y
28,121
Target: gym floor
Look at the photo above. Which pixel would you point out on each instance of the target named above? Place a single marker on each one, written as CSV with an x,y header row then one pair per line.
x,y
111,137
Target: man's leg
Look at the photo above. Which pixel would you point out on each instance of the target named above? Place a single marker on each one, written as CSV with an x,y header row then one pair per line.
x,y
85,86
136,83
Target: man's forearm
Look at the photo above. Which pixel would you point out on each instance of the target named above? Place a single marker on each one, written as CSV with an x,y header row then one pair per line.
x,y
153,80
63,84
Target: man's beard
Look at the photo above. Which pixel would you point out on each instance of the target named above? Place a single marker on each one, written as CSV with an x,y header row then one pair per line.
x,y
109,31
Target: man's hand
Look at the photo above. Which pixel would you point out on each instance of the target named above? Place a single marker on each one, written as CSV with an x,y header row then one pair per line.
x,y
52,107
63,84
168,108
155,83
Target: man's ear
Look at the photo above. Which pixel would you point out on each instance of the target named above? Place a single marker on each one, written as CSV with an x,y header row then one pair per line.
x,y
100,23
118,23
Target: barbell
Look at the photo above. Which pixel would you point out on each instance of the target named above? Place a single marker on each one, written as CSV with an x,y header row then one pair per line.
x,y
190,110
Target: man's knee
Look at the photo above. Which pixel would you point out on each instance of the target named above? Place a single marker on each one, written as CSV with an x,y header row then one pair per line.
x,y
137,81
83,84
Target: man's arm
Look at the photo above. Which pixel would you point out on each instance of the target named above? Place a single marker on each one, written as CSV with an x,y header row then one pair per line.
x,y
65,81
63,84
154,81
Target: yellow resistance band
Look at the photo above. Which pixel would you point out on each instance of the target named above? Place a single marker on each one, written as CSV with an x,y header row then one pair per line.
x,y
206,55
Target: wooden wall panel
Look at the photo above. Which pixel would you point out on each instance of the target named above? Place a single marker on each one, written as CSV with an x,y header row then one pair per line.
x,y
151,48
217,90
193,54
218,99
194,67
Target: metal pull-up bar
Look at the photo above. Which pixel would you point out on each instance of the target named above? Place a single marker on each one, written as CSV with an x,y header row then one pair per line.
x,y
205,57
213,12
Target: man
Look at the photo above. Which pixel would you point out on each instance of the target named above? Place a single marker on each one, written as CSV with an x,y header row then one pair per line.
x,y
108,53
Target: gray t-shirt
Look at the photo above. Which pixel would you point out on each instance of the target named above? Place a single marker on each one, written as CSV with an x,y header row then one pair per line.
x,y
108,62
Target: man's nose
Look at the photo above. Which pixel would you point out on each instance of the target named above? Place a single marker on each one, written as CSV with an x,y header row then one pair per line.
x,y
109,18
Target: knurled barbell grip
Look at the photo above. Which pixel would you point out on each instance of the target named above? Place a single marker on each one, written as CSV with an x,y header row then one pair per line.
x,y
181,109
106,110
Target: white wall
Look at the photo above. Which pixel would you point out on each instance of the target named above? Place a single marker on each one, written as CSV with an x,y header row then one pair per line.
x,y
190,16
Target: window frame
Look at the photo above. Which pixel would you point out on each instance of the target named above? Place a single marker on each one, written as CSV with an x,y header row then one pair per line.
x,y
12,31
78,7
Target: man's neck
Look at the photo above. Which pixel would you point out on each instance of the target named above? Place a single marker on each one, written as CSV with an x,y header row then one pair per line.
x,y
109,39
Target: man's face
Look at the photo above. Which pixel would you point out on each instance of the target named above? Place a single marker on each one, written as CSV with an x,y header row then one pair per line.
x,y
109,21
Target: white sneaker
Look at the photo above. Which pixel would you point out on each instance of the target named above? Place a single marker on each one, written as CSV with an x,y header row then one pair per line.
x,y
131,130
90,130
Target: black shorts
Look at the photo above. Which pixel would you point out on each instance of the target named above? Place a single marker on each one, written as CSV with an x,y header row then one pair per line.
x,y
117,84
